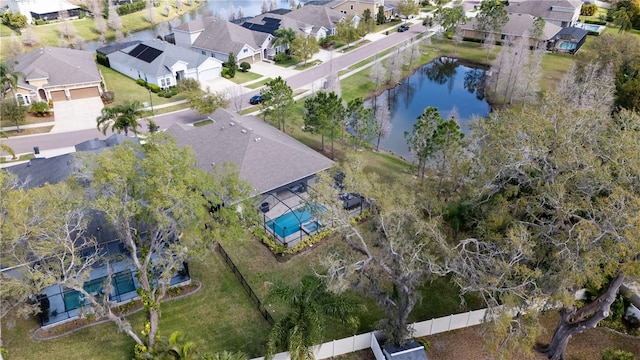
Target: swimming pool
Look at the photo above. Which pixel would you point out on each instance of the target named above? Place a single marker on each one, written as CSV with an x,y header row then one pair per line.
x,y
590,27
290,222
566,45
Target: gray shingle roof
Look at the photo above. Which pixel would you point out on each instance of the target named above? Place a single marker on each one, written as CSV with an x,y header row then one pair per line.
x,y
270,22
547,9
317,15
60,66
221,35
264,156
518,24
40,171
170,54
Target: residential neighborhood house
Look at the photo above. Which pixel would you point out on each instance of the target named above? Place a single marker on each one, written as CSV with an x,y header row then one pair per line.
x,y
279,168
217,38
357,7
563,13
58,74
57,303
161,63
517,26
44,10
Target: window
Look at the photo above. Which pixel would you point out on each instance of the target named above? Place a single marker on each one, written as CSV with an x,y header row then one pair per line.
x,y
163,83
351,7
204,52
23,99
245,50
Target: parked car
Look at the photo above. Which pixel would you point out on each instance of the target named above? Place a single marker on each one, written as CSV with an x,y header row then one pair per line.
x,y
255,99
403,28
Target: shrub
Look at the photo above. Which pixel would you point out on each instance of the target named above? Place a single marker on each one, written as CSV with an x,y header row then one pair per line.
x,y
141,82
39,22
281,57
125,9
154,88
40,108
588,9
108,97
50,104
595,22
615,354
245,66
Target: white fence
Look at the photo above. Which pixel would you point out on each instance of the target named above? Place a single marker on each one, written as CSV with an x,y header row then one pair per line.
x,y
367,340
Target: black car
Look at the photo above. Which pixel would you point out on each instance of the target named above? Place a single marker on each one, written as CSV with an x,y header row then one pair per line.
x,y
255,99
403,28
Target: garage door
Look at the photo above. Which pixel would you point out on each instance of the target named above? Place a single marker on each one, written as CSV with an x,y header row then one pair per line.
x,y
209,74
58,95
84,93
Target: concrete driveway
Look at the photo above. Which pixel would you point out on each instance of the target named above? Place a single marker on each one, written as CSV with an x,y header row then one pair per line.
x,y
78,114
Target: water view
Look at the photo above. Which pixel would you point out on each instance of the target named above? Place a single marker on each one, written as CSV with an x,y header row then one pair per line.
x,y
446,84
221,8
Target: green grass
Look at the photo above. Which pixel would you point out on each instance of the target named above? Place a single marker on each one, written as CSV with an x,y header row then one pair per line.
x,y
308,64
214,322
126,89
25,157
5,30
258,84
243,77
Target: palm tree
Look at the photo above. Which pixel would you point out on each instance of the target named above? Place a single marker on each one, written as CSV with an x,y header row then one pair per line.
x,y
121,118
9,150
284,37
9,78
302,328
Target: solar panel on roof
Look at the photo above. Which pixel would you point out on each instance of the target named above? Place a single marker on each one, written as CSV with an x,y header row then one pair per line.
x,y
149,54
137,50
145,53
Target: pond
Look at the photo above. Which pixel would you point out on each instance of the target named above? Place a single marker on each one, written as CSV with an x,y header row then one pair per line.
x,y
445,83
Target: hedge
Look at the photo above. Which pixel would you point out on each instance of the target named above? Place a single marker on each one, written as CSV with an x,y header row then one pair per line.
x,y
594,22
125,9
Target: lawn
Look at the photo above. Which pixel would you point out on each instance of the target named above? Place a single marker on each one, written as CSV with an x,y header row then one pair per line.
x,y
126,89
214,322
243,77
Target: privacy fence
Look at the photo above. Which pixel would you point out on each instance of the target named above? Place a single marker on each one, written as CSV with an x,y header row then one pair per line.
x,y
368,340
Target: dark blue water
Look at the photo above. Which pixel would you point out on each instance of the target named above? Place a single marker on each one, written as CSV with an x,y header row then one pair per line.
x,y
446,84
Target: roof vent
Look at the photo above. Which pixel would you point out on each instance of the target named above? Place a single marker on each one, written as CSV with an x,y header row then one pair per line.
x,y
257,139
244,131
222,128
232,123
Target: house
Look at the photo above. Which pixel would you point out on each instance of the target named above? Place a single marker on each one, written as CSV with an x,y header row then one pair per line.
x,y
269,22
278,167
516,27
568,40
352,8
58,74
217,38
323,19
44,10
264,156
563,13
163,64
58,304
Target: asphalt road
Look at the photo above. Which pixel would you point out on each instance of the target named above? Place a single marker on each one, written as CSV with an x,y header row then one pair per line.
x,y
25,144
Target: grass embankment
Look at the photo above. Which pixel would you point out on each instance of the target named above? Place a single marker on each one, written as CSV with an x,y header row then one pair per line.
x,y
49,34
218,317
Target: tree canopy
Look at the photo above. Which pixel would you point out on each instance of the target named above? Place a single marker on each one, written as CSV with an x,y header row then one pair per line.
x,y
277,100
554,210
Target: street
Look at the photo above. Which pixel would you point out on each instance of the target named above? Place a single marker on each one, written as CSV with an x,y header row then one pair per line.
x,y
25,144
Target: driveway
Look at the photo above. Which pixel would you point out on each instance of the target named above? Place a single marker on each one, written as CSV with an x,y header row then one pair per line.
x,y
78,114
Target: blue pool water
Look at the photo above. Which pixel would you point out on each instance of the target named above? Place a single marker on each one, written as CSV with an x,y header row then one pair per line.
x,y
289,223
311,227
565,45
